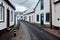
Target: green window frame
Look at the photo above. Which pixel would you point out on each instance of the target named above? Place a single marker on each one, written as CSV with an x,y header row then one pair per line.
x,y
47,17
42,4
37,18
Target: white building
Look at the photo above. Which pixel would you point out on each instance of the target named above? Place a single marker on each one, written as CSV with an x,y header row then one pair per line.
x,y
29,15
40,14
19,16
7,11
56,13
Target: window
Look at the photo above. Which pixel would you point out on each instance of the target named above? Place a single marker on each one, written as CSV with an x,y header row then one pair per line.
x,y
42,4
37,17
47,17
32,17
21,16
1,12
11,16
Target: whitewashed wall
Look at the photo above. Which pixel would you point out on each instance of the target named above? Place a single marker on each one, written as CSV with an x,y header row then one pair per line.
x,y
4,24
37,12
17,18
56,15
32,17
44,11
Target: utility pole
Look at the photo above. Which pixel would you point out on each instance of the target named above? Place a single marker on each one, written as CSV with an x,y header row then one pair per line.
x,y
50,14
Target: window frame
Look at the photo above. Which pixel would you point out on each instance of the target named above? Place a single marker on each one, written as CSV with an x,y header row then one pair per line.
x,y
42,4
37,18
11,16
2,12
47,18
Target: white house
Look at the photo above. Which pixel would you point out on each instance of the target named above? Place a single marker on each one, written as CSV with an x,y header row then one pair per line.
x,y
40,14
19,16
56,13
29,15
7,11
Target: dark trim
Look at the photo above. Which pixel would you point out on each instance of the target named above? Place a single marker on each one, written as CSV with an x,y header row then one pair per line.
x,y
57,2
30,13
47,15
12,26
36,5
8,17
42,5
9,3
3,12
55,27
37,17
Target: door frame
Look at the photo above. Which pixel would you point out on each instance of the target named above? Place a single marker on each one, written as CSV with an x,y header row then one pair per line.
x,y
29,18
8,17
42,20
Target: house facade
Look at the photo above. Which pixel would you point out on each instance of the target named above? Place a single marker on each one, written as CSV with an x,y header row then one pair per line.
x,y
18,16
40,14
29,15
7,11
56,13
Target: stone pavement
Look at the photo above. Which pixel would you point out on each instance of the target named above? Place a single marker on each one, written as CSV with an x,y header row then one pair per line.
x,y
22,33
53,32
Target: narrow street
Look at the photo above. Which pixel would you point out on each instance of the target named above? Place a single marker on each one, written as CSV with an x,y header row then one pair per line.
x,y
38,34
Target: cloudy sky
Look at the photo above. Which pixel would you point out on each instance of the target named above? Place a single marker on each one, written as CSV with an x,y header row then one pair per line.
x,y
22,5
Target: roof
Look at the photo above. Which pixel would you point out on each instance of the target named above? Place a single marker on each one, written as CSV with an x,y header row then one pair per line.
x,y
36,5
30,12
9,3
57,2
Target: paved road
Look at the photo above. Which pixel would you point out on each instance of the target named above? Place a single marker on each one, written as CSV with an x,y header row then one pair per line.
x,y
38,34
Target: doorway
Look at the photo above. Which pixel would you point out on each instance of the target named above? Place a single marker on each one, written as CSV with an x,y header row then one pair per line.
x,y
29,18
8,16
42,19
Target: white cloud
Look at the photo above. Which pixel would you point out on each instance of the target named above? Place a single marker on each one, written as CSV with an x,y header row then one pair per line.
x,y
20,8
23,4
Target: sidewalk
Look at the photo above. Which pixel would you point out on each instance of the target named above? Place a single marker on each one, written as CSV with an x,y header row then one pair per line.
x,y
22,33
53,32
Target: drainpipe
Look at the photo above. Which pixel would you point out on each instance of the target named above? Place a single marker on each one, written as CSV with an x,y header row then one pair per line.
x,y
50,14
